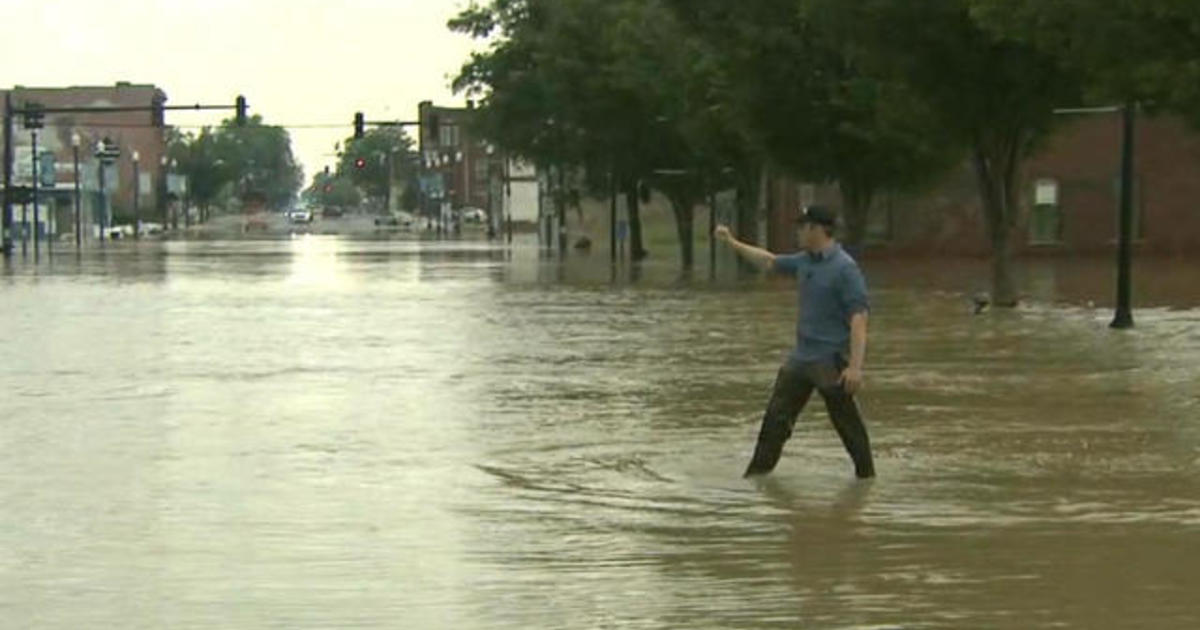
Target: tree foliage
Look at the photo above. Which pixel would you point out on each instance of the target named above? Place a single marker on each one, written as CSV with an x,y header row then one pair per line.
x,y
231,161
875,95
384,151
1125,50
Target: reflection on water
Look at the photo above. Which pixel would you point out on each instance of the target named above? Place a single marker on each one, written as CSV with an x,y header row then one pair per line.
x,y
318,433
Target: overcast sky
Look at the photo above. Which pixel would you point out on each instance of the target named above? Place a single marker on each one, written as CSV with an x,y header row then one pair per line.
x,y
296,61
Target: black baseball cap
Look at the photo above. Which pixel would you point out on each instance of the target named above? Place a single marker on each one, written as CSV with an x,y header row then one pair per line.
x,y
819,215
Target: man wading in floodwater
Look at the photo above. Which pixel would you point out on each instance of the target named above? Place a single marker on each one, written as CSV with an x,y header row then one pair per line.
x,y
832,324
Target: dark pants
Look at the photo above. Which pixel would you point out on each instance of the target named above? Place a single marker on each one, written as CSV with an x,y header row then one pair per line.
x,y
793,387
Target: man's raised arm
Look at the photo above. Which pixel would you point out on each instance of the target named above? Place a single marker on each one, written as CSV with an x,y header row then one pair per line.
x,y
761,258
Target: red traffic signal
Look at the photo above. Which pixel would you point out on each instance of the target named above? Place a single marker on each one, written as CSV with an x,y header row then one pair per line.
x,y
360,163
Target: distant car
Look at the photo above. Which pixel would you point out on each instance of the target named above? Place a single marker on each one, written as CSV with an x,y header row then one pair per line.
x,y
473,215
394,219
300,216
331,213
115,232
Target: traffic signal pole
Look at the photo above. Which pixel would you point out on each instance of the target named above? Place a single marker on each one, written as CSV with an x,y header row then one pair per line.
x,y
6,244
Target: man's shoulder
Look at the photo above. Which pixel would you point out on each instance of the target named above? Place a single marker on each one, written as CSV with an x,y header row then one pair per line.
x,y
790,262
844,259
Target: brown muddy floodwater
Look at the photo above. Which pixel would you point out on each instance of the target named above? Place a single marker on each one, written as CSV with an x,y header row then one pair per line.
x,y
321,433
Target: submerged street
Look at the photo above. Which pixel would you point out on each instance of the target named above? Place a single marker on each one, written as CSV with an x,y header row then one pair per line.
x,y
319,432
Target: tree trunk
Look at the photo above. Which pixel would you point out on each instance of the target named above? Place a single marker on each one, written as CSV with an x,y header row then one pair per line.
x,y
749,192
684,209
560,202
856,199
1004,288
996,172
636,251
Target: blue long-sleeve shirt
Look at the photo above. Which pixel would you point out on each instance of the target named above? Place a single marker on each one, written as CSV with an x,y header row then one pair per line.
x,y
830,290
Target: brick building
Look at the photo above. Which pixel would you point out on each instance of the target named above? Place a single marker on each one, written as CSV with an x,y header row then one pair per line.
x,y
1069,196
143,132
456,168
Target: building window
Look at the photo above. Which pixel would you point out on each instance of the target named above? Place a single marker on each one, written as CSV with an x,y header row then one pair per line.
x,y
448,136
1045,222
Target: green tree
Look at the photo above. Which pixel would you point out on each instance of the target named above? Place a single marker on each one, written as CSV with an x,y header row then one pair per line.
x,y
598,85
792,77
333,190
388,160
233,161
199,159
539,86
994,95
1126,50
262,161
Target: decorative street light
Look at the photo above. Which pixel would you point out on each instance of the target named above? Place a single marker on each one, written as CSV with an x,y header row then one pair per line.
x,y
137,193
107,153
162,178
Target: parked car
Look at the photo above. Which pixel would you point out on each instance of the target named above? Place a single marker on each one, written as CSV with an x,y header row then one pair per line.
x,y
394,219
300,216
473,215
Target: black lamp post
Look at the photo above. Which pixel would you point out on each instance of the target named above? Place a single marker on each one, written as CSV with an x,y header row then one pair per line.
x,y
75,140
137,194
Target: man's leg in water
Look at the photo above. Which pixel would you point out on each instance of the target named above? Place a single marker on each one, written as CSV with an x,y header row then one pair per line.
x,y
791,393
843,412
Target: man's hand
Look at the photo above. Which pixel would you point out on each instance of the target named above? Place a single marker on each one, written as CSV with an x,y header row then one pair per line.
x,y
723,234
852,379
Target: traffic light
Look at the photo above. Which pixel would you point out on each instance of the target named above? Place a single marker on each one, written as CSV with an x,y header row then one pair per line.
x,y
241,111
359,125
360,163
328,188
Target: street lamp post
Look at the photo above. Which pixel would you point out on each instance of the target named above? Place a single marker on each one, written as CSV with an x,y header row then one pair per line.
x,y
75,140
101,147
506,173
173,164
388,163
162,186
37,221
491,200
1123,317
106,154
137,193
